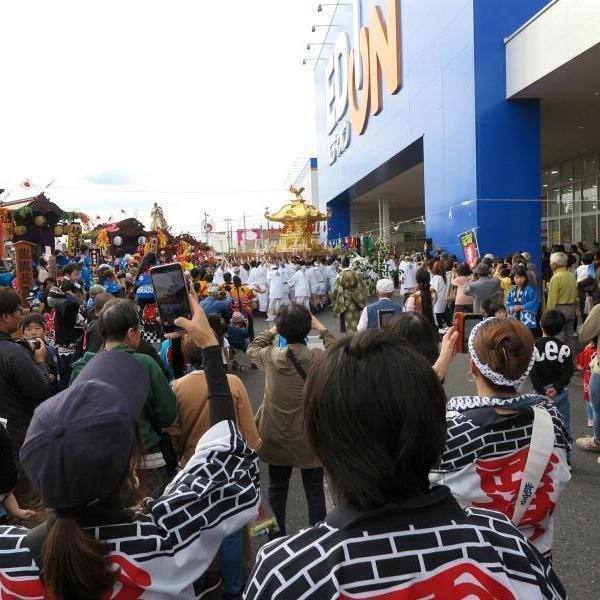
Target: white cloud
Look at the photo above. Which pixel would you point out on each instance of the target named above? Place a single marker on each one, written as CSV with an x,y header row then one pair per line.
x,y
160,98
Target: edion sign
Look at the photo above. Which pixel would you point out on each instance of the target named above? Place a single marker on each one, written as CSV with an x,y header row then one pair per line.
x,y
353,76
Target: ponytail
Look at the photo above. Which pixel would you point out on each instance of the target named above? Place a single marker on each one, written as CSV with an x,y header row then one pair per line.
x,y
74,564
426,302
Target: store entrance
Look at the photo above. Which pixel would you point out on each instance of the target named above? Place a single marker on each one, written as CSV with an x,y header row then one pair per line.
x,y
393,206
570,150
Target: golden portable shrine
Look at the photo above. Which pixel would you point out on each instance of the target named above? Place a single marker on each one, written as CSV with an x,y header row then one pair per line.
x,y
300,230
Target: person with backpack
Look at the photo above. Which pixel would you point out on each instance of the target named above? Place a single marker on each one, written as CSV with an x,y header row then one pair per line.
x,y
280,418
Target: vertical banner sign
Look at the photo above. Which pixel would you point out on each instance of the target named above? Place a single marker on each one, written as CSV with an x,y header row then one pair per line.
x,y
468,242
75,239
94,259
24,264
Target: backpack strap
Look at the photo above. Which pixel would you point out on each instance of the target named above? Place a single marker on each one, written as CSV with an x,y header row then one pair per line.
x,y
540,450
296,364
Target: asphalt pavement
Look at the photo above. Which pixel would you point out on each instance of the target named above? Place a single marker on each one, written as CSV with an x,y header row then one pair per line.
x,y
577,522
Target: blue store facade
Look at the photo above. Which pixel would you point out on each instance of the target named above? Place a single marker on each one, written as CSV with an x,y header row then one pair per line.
x,y
448,142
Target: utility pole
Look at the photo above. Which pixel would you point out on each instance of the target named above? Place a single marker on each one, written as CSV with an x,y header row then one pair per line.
x,y
245,238
228,221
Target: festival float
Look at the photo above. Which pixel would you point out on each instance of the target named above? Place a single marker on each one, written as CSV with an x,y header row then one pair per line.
x,y
300,221
30,220
39,221
130,236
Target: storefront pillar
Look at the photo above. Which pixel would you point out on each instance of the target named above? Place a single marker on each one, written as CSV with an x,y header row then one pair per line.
x,y
384,217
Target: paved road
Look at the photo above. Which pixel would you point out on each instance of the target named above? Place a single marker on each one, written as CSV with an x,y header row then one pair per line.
x,y
577,527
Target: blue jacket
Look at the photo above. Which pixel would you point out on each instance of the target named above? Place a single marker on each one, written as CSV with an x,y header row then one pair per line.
x,y
212,306
373,311
6,279
530,302
86,277
238,337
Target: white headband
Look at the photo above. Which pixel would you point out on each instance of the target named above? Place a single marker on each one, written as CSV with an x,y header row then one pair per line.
x,y
486,371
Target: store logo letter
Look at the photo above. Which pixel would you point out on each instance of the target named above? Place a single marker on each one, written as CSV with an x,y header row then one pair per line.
x,y
354,76
380,49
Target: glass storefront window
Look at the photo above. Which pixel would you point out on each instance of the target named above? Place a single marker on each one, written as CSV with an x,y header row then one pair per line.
x,y
554,175
577,197
590,166
570,205
566,231
566,171
554,202
589,200
589,230
544,232
544,201
553,232
566,199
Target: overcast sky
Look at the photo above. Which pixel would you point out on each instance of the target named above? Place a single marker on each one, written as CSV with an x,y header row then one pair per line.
x,y
199,96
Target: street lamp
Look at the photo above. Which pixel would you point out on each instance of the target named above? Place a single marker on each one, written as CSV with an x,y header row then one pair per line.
x,y
307,60
320,7
314,27
309,46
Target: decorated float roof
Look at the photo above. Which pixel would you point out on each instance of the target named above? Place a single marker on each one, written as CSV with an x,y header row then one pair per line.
x,y
298,210
37,203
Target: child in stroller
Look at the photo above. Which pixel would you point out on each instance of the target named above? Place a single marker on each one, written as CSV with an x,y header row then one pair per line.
x,y
237,334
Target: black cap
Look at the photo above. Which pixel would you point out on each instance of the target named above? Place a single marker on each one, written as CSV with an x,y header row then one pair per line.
x,y
79,442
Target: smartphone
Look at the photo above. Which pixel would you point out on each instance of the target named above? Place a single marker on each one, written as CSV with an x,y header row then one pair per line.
x,y
384,317
171,293
464,324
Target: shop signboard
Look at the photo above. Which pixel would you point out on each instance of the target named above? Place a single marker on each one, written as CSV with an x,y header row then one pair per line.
x,y
75,239
24,268
468,243
354,74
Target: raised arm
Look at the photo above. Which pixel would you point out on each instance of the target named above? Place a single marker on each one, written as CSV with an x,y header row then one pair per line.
x,y
259,350
220,402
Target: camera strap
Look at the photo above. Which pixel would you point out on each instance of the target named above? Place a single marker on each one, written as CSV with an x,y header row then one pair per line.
x,y
296,364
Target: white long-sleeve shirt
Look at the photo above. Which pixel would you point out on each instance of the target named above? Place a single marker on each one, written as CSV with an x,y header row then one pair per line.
x,y
409,278
299,282
277,287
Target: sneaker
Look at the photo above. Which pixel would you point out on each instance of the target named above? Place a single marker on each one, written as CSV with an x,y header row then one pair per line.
x,y
212,582
588,443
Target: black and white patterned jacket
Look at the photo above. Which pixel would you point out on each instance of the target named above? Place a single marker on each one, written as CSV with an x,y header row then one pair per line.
x,y
163,552
428,547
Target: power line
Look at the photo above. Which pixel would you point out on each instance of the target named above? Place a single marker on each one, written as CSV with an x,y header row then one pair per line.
x,y
146,191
